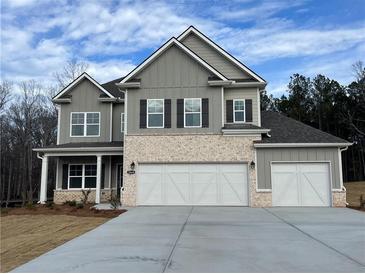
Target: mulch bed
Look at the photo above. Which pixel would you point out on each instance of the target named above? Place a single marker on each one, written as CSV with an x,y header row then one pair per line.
x,y
357,208
86,211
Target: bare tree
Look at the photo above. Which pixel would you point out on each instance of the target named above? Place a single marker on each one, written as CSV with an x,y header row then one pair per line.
x,y
358,70
72,69
5,93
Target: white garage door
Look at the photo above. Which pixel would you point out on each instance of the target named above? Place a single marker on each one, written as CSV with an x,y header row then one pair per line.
x,y
300,184
192,184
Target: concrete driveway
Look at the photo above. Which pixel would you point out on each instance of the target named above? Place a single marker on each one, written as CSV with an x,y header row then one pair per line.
x,y
216,239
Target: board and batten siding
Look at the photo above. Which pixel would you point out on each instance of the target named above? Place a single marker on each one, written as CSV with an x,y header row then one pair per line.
x,y
85,99
266,155
118,109
213,57
174,75
243,93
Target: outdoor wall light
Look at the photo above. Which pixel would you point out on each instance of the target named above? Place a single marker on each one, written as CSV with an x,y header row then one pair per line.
x,y
252,164
133,165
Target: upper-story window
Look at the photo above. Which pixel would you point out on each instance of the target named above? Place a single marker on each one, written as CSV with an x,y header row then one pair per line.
x,y
85,124
122,122
155,113
239,111
192,112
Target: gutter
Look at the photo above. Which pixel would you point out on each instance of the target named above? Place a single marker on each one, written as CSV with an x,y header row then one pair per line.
x,y
262,145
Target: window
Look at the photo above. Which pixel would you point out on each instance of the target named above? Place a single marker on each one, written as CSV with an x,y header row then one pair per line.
x,y
239,111
192,112
82,176
155,113
122,122
85,124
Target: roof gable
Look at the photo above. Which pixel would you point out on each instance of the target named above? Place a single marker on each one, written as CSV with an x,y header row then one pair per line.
x,y
218,49
74,83
163,48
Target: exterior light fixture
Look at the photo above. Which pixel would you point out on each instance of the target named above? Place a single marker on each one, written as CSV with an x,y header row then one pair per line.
x,y
252,164
133,165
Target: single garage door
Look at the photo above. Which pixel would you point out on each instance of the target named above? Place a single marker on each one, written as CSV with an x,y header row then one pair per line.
x,y
300,184
192,184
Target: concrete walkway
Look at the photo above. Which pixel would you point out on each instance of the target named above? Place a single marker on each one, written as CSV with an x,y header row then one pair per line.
x,y
215,239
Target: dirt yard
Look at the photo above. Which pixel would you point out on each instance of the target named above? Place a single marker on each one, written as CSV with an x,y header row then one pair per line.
x,y
28,233
354,190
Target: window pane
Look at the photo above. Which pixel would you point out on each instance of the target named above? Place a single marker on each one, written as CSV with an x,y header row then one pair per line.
x,y
92,130
75,170
92,118
239,105
90,170
90,182
155,106
77,130
239,116
192,105
77,118
155,120
192,120
75,182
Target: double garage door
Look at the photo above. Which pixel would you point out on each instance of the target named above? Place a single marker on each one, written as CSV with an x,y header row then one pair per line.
x,y
192,184
300,184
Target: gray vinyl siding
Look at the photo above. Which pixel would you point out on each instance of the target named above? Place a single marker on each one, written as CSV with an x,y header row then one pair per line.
x,y
213,57
174,75
117,110
243,93
266,155
85,99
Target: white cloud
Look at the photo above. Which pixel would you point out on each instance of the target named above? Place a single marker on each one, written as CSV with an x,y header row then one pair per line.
x,y
109,70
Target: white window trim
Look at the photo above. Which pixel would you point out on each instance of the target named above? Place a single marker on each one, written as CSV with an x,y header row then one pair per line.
x,y
83,176
84,124
200,112
163,112
234,111
122,122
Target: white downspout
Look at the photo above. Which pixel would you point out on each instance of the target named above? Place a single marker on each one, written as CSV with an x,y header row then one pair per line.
x,y
340,162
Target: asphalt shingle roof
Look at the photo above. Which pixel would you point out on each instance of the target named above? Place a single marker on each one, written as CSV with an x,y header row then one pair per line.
x,y
288,130
241,126
112,88
87,144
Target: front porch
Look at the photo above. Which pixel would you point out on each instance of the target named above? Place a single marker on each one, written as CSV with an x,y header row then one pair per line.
x,y
97,167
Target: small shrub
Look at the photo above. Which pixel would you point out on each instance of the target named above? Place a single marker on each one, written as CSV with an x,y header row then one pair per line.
x,y
29,206
79,205
85,194
50,204
70,203
114,201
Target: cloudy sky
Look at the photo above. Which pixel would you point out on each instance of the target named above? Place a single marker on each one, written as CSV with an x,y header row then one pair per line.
x,y
274,38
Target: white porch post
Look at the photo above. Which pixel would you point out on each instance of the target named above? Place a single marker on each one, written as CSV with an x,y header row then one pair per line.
x,y
98,179
44,177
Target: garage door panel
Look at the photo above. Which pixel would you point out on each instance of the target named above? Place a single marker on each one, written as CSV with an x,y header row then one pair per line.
x,y
300,184
193,184
287,193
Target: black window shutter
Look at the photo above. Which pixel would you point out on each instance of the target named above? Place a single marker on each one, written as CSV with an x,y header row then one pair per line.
x,y
205,112
142,113
64,176
102,176
180,113
229,111
248,110
167,113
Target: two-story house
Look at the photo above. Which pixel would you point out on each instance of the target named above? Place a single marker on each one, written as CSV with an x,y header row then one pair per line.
x,y
185,128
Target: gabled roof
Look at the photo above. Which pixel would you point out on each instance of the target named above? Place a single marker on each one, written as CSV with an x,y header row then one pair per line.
x,y
164,47
83,76
239,64
285,130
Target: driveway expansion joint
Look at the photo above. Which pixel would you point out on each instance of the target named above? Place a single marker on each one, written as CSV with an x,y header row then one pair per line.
x,y
168,261
313,238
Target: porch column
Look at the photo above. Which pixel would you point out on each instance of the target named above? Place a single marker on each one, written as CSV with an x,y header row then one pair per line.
x,y
44,177
98,179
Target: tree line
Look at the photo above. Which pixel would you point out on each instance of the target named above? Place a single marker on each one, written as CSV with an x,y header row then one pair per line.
x,y
325,104
28,119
